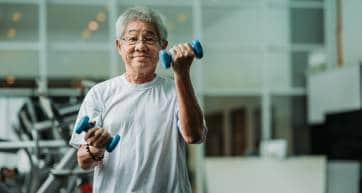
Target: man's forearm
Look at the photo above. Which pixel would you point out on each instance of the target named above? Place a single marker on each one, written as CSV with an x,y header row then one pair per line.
x,y
190,114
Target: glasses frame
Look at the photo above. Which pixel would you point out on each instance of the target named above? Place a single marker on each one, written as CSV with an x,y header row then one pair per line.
x,y
148,40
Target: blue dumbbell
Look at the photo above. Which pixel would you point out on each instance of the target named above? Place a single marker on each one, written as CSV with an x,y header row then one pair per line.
x,y
84,125
166,57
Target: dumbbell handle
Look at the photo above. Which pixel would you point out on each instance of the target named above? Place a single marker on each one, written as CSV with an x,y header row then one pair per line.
x,y
166,57
85,125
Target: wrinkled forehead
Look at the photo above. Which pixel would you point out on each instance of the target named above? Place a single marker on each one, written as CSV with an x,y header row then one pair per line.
x,y
139,27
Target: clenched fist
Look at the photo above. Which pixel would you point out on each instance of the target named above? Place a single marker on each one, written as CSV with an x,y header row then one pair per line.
x,y
97,137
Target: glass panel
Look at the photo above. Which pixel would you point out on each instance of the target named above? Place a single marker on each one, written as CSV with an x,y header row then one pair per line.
x,y
278,70
232,26
18,22
232,70
22,64
307,25
276,30
289,121
78,23
80,64
299,68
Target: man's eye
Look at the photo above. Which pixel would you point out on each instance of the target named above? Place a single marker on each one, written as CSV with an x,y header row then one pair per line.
x,y
149,39
132,39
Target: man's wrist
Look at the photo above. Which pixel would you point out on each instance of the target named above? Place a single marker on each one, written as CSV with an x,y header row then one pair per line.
x,y
183,75
95,153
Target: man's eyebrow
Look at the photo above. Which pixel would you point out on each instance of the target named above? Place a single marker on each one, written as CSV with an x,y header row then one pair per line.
x,y
132,30
146,31
150,33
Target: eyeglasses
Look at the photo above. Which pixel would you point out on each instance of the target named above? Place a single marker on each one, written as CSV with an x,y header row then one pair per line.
x,y
149,40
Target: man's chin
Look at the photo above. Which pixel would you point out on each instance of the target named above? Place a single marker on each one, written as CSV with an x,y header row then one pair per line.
x,y
143,66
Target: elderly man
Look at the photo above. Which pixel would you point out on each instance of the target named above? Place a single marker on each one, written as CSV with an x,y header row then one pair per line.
x,y
155,117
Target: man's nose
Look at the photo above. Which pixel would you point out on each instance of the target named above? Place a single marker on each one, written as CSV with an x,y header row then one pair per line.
x,y
140,45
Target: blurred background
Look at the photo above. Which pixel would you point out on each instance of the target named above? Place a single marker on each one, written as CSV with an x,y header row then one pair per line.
x,y
280,84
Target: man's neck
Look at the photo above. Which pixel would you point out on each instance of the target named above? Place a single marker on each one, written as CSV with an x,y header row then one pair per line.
x,y
139,78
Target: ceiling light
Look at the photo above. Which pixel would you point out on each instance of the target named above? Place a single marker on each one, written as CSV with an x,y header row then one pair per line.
x,y
182,18
11,33
101,17
93,25
16,17
10,80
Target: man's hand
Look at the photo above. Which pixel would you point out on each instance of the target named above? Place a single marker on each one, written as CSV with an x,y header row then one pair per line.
x,y
97,137
182,57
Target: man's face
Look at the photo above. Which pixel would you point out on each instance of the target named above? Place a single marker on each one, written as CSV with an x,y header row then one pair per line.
x,y
139,47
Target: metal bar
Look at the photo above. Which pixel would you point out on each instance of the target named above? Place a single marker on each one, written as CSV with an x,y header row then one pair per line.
x,y
19,1
199,79
19,46
78,2
43,57
254,48
289,92
12,145
24,92
70,109
306,4
307,47
232,92
44,125
78,46
52,183
265,99
114,68
339,39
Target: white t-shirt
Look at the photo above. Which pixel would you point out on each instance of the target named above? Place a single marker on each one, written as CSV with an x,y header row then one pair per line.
x,y
151,155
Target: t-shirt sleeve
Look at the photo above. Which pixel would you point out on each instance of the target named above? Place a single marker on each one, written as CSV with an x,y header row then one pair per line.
x,y
91,107
204,128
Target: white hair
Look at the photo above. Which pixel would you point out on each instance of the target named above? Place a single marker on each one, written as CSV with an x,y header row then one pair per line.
x,y
144,14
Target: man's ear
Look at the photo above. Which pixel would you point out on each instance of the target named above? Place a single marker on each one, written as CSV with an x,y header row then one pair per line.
x,y
118,45
164,44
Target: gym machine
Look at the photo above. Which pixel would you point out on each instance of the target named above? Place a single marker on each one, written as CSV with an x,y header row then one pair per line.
x,y
43,130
